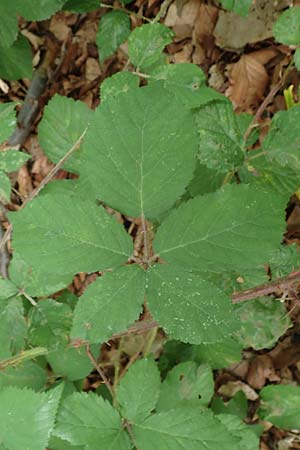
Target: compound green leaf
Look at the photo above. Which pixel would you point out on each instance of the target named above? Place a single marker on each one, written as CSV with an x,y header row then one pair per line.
x,y
134,151
38,9
101,427
4,188
13,328
49,324
64,120
28,374
221,144
12,160
120,82
114,29
240,7
187,384
183,429
16,61
109,305
61,234
280,405
263,321
236,228
187,307
248,438
287,27
33,413
138,390
187,82
146,43
8,123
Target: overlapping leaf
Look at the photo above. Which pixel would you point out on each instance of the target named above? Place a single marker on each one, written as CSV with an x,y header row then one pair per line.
x,y
114,29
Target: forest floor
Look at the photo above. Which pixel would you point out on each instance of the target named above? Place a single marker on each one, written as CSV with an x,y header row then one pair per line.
x,y
242,61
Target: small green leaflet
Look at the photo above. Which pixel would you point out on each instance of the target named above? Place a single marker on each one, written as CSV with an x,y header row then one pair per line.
x,y
49,324
248,437
296,58
8,123
146,43
219,354
64,120
68,235
134,154
7,289
120,82
32,412
287,28
86,419
204,181
280,405
13,327
16,61
240,7
237,405
114,29
28,374
262,321
110,304
183,429
69,362
38,9
187,307
221,144
187,82
138,390
241,228
12,160
187,384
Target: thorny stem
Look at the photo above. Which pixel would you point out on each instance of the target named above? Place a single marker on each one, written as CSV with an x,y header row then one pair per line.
x,y
99,370
45,181
145,238
149,341
269,288
128,427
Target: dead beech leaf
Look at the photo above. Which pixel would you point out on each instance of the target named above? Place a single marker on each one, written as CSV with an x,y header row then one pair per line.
x,y
232,387
24,182
182,24
205,23
261,370
248,80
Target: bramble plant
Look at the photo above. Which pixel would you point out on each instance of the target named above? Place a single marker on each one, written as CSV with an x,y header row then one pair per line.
x,y
174,159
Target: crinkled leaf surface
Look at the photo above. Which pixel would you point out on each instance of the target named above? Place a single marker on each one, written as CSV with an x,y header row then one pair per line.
x,y
139,155
12,160
109,305
146,43
236,228
138,390
86,419
262,321
187,384
183,429
240,7
187,307
8,123
32,413
187,82
114,29
287,28
221,144
64,120
120,82
16,61
61,234
49,324
280,405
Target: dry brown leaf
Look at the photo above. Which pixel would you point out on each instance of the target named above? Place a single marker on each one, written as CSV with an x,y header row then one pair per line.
x,y
184,55
261,370
92,69
59,28
248,80
232,387
182,24
205,23
24,182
